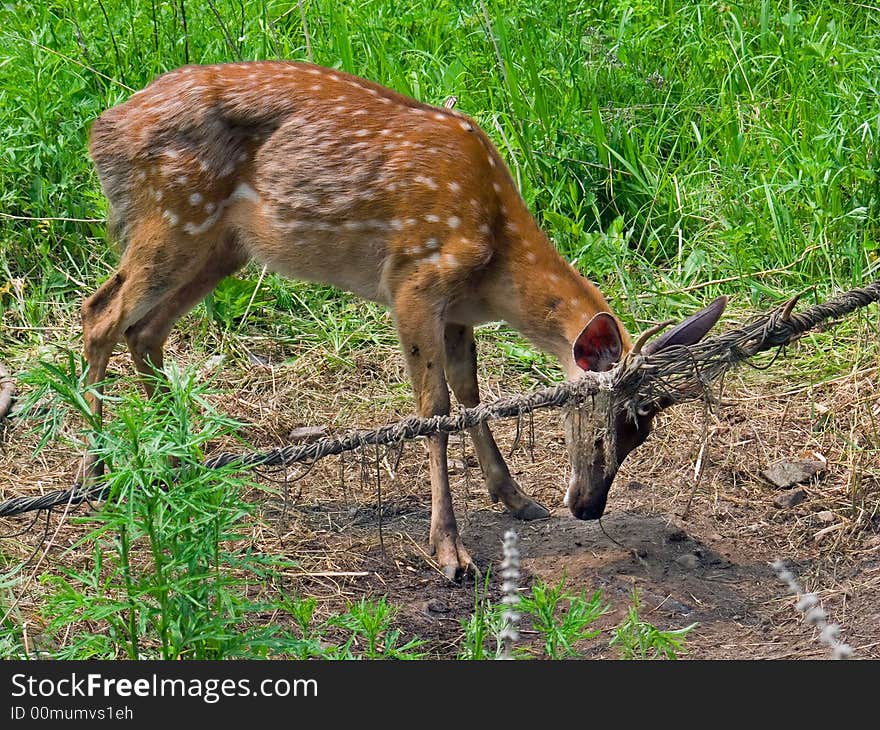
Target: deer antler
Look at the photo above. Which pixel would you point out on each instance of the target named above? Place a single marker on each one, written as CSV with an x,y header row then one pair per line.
x,y
787,309
647,335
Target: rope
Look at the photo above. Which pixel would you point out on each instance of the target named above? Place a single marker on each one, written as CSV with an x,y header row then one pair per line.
x,y
673,375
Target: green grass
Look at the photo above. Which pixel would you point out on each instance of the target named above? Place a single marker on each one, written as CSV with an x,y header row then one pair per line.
x,y
660,144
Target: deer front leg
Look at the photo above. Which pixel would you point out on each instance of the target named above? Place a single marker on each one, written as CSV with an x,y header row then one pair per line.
x,y
421,336
461,369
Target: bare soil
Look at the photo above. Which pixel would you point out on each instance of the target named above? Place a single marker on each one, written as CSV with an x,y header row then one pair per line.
x,y
696,543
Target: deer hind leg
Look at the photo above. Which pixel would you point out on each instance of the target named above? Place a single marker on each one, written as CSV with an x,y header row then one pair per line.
x,y
153,267
461,370
146,337
421,335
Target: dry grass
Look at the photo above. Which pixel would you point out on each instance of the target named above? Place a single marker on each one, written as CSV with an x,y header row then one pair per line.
x,y
326,516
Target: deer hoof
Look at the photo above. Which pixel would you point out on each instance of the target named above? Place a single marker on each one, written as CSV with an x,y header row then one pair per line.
x,y
455,563
532,511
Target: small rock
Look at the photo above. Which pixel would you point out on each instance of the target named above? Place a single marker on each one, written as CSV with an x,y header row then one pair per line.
x,y
688,561
785,473
826,515
677,607
435,605
257,359
787,500
210,364
306,434
642,552
457,466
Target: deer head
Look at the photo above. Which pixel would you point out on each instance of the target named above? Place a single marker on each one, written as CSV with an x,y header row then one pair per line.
x,y
595,458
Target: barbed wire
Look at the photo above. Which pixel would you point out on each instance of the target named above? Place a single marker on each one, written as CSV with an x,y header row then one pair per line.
x,y
672,375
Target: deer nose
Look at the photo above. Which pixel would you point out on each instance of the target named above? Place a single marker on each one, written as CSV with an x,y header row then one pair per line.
x,y
590,507
590,511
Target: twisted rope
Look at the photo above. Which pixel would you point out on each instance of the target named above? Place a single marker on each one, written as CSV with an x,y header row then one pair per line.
x,y
673,375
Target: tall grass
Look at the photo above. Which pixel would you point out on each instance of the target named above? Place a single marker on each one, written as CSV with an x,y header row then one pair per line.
x,y
661,144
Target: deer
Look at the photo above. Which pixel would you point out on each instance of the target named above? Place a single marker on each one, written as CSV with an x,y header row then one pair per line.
x,y
324,176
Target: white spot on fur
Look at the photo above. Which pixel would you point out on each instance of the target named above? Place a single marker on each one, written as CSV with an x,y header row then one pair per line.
x,y
156,193
429,182
453,186
195,229
496,187
453,221
396,224
244,192
450,260
141,175
432,244
362,133
384,132
359,112
315,87
210,207
195,198
431,218
433,258
466,126
531,257
440,117
171,217
182,179
484,228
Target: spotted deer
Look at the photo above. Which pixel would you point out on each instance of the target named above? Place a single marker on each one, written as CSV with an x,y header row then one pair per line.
x,y
324,176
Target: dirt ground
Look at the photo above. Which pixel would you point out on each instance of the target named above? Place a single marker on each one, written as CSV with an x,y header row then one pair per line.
x,y
697,549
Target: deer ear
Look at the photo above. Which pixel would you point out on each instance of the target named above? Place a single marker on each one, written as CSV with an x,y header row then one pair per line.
x,y
599,345
691,330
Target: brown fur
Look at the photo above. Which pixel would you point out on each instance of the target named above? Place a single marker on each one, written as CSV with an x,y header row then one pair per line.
x,y
323,176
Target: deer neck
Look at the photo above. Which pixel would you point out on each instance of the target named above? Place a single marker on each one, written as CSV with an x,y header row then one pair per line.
x,y
550,302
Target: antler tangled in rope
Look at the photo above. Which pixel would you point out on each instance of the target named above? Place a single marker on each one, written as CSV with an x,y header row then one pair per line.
x,y
673,375
679,374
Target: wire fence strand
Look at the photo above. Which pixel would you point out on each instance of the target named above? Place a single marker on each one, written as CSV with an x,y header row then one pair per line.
x,y
673,375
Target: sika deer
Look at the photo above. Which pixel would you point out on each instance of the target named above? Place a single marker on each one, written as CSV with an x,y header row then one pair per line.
x,y
327,177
